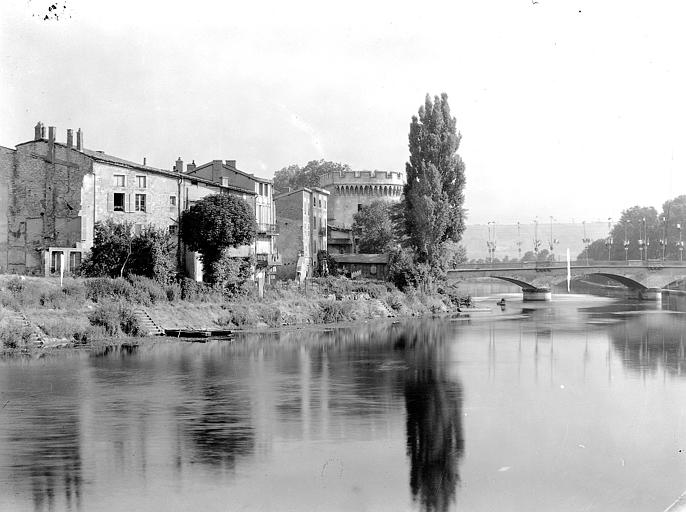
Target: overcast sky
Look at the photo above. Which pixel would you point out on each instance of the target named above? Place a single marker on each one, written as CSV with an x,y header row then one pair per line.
x,y
574,109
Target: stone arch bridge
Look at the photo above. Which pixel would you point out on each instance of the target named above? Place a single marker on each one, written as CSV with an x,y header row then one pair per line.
x,y
645,279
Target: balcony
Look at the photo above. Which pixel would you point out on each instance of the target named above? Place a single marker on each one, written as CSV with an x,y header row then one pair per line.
x,y
266,229
267,260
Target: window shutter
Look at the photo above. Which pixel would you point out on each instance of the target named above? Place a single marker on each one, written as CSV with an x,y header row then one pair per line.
x,y
128,208
110,201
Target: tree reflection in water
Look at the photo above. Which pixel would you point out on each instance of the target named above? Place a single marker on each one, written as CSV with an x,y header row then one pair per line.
x,y
649,342
435,442
46,453
216,415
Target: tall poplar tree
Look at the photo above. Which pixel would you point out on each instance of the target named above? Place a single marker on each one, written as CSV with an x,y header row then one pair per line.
x,y
432,208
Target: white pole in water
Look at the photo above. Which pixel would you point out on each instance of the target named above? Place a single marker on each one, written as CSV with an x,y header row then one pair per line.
x,y
569,270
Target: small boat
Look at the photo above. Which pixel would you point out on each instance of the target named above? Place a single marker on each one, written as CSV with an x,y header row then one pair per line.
x,y
501,303
198,333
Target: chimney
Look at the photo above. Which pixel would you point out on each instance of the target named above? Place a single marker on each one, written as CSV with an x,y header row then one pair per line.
x,y
231,163
70,138
179,165
79,139
190,167
39,131
51,143
145,161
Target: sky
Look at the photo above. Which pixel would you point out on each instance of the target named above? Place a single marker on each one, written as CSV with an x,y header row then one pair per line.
x,y
570,109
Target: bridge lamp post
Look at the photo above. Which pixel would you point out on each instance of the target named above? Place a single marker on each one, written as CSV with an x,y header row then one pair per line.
x,y
608,242
626,243
586,241
519,242
680,244
537,242
664,240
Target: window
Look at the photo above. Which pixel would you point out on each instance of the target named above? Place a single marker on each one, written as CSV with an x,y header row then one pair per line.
x,y
225,182
119,199
324,203
56,261
266,189
320,203
140,202
172,200
261,189
141,181
74,261
173,229
359,207
119,180
314,201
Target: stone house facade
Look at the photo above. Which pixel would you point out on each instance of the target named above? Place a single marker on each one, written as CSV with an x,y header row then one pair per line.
x,y
226,173
302,225
54,194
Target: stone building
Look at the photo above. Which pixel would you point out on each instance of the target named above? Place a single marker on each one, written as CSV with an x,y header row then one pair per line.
x,y
52,195
350,190
302,224
226,173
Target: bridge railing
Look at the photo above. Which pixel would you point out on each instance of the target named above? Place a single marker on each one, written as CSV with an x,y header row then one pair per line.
x,y
532,265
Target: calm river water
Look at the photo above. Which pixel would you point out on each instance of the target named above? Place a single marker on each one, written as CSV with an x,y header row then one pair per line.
x,y
574,405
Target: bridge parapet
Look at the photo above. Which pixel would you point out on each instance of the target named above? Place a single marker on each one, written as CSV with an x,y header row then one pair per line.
x,y
639,276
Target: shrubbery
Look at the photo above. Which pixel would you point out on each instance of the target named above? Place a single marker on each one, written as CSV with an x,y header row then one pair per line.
x,y
116,318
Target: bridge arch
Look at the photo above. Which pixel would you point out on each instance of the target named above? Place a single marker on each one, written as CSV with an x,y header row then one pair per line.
x,y
626,281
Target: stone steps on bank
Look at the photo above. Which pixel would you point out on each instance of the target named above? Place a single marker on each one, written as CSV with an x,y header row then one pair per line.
x,y
148,325
17,317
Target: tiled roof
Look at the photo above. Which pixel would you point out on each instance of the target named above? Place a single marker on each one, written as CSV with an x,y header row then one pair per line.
x,y
372,259
101,156
247,175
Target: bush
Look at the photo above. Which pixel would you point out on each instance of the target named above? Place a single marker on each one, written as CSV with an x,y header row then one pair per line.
x,y
116,318
14,334
103,288
336,311
147,291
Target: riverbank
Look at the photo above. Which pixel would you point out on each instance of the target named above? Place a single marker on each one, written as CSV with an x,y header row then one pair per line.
x,y
39,313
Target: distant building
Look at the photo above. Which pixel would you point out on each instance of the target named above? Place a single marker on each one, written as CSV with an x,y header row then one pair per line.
x,y
371,266
350,190
302,223
227,174
340,240
52,194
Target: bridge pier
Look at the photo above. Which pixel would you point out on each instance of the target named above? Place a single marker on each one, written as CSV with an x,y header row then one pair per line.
x,y
536,294
651,294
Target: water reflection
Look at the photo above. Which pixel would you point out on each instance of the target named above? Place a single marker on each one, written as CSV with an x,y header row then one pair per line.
x,y
46,459
648,343
435,442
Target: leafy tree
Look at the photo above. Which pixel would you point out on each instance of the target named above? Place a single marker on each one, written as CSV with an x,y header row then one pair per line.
x,y
214,224
373,227
117,252
674,215
432,206
295,177
112,247
153,255
597,251
454,254
631,227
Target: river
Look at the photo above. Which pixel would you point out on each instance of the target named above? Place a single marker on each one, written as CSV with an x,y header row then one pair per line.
x,y
576,404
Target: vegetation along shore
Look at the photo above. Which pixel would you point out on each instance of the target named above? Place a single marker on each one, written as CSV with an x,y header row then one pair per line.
x,y
37,313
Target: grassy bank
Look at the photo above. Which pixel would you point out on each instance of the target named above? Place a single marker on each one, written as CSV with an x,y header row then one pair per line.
x,y
38,311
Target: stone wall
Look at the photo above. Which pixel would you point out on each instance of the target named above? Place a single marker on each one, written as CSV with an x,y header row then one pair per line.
x,y
351,190
45,207
6,167
292,214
